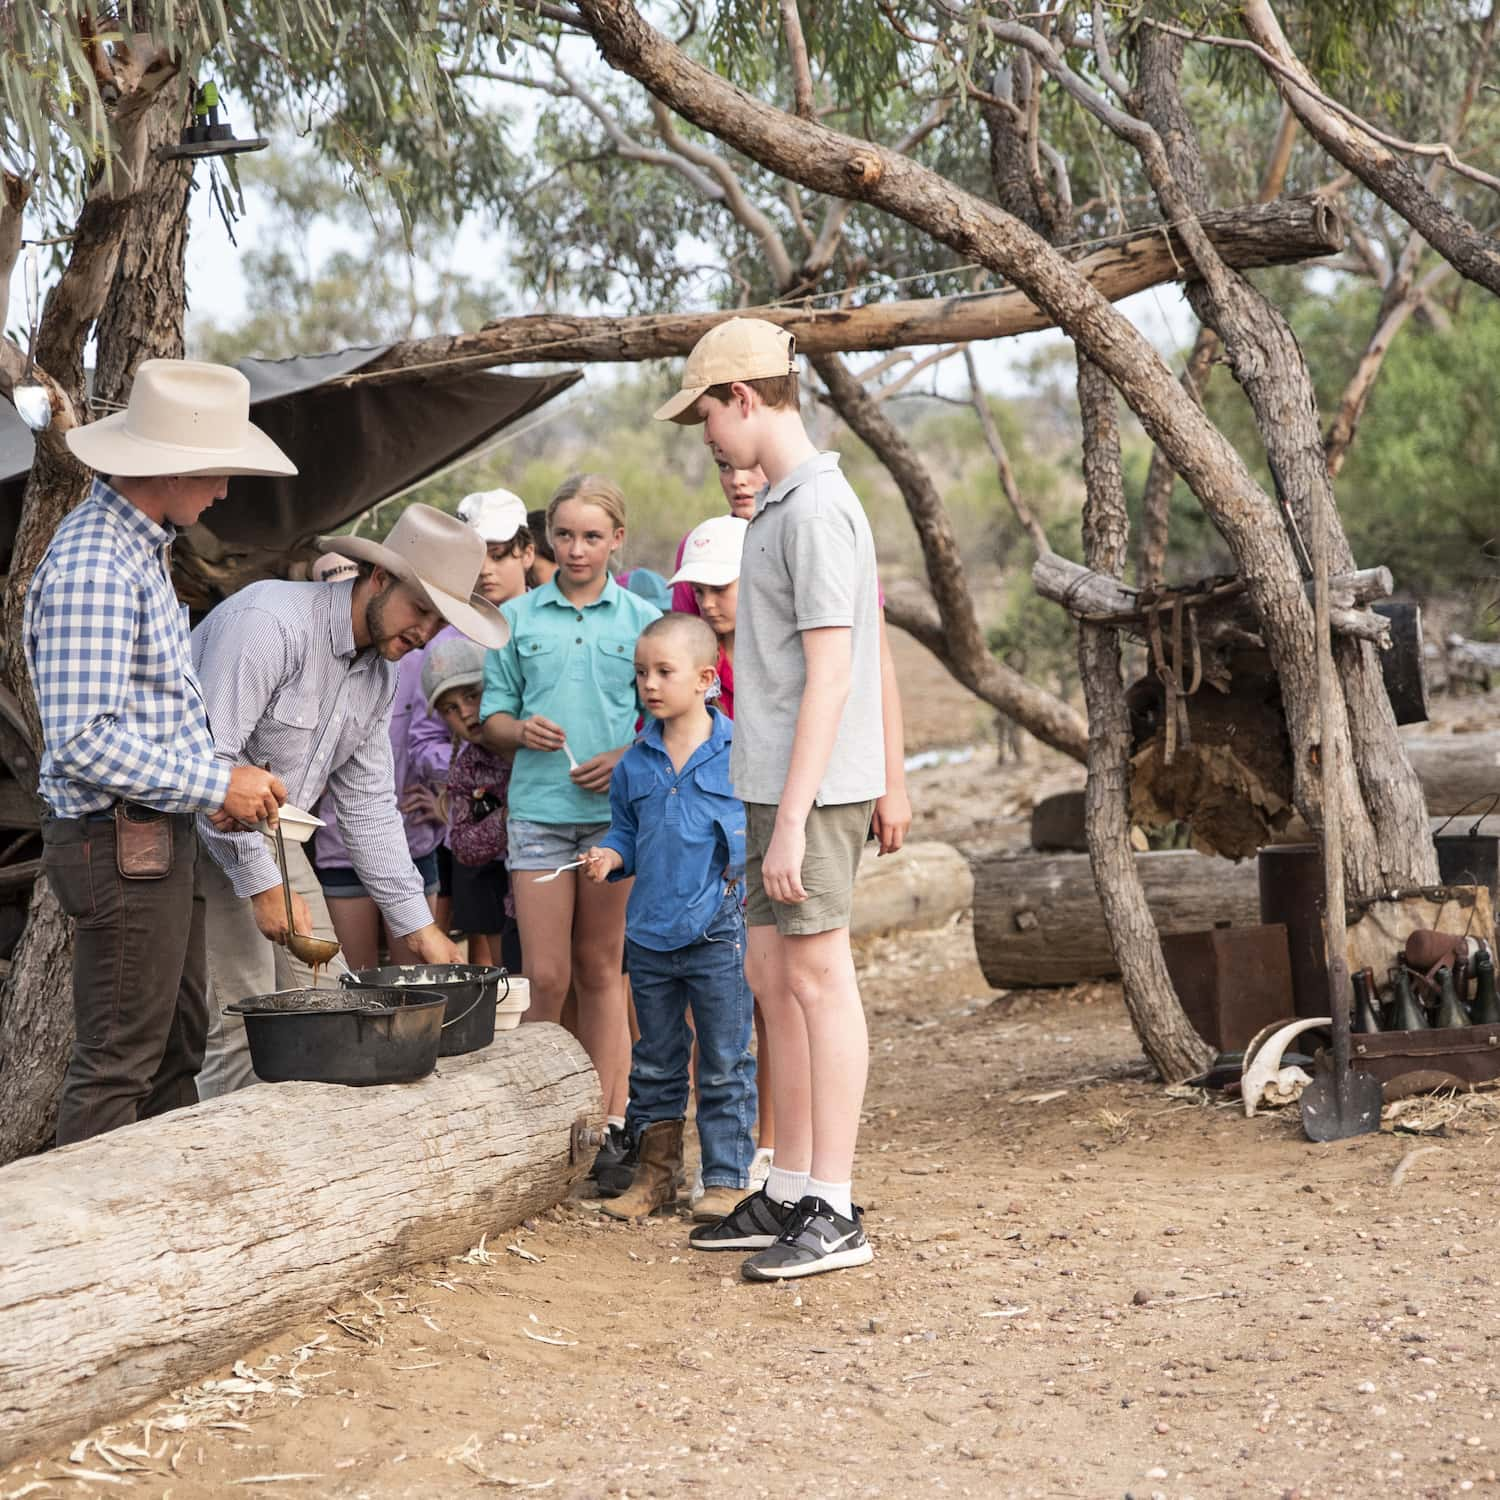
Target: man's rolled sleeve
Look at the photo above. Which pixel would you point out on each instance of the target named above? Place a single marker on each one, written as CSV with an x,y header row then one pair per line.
x,y
364,796
238,686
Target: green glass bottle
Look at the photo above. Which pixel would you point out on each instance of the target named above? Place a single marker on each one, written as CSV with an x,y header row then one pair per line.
x,y
1404,1014
1366,1008
1450,1011
1486,1005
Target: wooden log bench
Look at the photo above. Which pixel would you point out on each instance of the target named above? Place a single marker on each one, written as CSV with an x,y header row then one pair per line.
x,y
1037,919
140,1260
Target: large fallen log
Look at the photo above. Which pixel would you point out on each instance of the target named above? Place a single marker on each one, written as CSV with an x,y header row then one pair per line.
x,y
1455,769
1037,919
1286,231
140,1260
922,885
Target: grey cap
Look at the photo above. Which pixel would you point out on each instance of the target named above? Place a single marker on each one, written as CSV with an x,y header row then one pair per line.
x,y
455,661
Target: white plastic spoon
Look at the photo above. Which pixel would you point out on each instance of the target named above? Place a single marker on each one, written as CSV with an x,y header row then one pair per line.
x,y
572,759
560,870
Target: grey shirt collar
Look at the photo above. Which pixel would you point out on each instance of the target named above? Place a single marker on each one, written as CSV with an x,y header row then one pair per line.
x,y
819,463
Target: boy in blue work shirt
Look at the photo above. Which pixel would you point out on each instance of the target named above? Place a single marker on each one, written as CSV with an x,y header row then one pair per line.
x,y
676,825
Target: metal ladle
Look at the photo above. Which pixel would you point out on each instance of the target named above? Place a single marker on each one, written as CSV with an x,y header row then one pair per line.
x,y
313,951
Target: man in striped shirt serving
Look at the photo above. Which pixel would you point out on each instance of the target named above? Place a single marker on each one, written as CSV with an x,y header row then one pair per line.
x,y
127,757
301,677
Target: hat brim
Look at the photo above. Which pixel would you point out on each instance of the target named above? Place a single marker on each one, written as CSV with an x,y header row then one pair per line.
x,y
710,575
474,617
682,407
456,680
109,447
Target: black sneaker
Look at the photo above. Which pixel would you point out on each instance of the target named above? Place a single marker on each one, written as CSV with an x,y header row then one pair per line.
x,y
755,1223
614,1167
817,1238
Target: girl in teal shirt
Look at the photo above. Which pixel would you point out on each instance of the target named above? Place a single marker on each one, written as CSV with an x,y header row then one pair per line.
x,y
561,697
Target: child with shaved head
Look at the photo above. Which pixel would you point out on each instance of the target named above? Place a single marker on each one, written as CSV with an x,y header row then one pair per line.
x,y
676,825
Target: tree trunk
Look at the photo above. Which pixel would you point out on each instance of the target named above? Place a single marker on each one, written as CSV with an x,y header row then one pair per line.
x,y
144,1258
1286,232
143,239
965,651
1038,921
1379,797
1161,478
1166,1036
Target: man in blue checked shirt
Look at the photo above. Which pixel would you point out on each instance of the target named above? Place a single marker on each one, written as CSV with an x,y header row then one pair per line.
x,y
127,757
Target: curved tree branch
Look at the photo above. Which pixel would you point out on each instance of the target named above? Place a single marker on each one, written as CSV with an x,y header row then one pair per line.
x,y
1370,155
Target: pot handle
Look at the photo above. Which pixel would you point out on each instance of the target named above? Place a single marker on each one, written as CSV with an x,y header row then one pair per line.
x,y
480,996
1494,802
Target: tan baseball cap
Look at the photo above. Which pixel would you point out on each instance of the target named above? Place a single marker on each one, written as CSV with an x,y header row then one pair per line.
x,y
737,349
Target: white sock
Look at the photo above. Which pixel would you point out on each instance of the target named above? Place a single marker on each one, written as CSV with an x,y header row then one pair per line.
x,y
785,1187
617,1121
835,1194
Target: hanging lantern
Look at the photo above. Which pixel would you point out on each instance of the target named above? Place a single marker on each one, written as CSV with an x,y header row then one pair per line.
x,y
207,135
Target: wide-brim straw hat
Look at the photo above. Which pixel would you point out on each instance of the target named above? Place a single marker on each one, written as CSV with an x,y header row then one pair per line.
x,y
184,417
440,556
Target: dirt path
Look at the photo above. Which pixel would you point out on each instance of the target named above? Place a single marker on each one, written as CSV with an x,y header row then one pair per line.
x,y
1083,1287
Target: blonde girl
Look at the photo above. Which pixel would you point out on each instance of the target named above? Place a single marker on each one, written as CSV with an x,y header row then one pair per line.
x,y
561,697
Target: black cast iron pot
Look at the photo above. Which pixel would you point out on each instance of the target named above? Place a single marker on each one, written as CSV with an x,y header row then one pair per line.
x,y
471,991
334,1036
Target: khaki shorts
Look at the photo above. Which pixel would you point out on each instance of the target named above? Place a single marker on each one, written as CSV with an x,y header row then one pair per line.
x,y
835,839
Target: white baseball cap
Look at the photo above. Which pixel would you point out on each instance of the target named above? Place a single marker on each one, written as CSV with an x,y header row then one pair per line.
x,y
712,553
497,515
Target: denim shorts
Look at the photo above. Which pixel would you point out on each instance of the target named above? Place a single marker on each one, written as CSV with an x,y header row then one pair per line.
x,y
340,883
545,846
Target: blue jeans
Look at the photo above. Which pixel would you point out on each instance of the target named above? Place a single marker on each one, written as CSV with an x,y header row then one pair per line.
x,y
707,977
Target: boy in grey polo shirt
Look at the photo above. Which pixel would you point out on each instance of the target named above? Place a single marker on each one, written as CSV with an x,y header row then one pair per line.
x,y
809,763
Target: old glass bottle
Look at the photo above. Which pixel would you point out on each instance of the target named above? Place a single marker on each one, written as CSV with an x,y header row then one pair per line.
x,y
1366,1010
1486,1005
1450,1011
1403,1013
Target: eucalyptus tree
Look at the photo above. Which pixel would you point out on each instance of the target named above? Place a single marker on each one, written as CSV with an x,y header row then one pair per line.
x,y
1137,100
91,96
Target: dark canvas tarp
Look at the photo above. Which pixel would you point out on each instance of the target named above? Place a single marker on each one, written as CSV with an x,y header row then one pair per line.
x,y
354,444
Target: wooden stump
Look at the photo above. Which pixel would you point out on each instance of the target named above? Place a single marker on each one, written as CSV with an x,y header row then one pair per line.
x,y
921,885
140,1260
1037,919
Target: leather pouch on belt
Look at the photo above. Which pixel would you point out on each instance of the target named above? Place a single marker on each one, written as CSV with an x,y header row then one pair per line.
x,y
143,843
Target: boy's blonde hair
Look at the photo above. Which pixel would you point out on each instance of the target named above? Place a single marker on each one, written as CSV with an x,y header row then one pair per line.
x,y
591,489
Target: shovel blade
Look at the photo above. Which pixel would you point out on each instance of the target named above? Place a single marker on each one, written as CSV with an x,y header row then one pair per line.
x,y
1324,1120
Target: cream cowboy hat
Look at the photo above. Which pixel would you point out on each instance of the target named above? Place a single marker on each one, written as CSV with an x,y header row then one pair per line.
x,y
440,556
184,417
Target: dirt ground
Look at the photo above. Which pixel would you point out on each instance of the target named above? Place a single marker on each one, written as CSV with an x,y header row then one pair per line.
x,y
1084,1285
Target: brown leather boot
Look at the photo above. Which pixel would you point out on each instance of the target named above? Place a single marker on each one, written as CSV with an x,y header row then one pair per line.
x,y
655,1185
